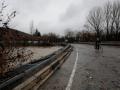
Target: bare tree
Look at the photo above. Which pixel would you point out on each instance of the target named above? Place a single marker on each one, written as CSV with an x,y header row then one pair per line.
x,y
32,28
10,55
5,18
116,13
95,20
107,18
69,33
53,37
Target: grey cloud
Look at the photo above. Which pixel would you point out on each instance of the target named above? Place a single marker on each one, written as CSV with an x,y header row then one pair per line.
x,y
51,15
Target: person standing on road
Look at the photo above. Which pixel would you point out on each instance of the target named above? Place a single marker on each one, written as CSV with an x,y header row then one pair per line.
x,y
97,43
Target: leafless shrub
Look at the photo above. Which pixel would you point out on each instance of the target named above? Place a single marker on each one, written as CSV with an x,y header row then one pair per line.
x,y
10,55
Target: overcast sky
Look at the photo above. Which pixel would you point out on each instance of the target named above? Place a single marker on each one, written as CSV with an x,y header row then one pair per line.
x,y
51,15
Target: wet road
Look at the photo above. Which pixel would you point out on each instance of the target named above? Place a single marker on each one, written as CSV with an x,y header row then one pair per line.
x,y
88,69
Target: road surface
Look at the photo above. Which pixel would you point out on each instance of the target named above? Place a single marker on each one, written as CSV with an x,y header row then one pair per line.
x,y
87,69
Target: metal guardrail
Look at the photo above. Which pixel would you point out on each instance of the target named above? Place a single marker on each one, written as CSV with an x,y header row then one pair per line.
x,y
45,69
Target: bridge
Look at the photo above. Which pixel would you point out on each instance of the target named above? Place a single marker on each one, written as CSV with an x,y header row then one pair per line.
x,y
88,69
84,69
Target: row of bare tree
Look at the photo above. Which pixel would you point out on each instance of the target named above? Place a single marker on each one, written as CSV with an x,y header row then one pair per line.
x,y
102,22
73,36
105,21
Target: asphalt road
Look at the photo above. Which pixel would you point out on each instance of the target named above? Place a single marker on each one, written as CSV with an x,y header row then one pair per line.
x,y
88,69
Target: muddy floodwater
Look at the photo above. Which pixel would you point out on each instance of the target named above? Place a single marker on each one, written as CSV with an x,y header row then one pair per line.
x,y
39,52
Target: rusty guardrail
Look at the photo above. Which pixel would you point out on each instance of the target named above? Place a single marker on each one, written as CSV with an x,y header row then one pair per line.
x,y
38,74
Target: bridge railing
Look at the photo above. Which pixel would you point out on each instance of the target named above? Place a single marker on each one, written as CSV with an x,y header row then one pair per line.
x,y
39,73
